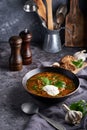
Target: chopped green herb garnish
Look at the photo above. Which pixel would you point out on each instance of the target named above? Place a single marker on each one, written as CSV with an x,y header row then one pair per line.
x,y
60,84
35,87
45,81
79,106
78,63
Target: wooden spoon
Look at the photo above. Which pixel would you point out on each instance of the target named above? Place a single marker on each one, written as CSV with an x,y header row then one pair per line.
x,y
41,9
49,14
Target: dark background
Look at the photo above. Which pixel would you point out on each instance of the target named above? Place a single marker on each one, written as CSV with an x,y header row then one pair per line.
x,y
14,19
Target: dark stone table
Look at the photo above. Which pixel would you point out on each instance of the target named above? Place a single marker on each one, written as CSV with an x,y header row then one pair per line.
x,y
12,93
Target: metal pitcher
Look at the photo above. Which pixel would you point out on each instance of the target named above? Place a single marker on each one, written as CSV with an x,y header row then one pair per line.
x,y
52,41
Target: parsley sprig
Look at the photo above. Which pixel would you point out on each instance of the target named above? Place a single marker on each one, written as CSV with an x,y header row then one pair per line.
x,y
78,63
80,105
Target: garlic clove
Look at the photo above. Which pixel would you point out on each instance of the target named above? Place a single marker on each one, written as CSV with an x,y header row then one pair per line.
x,y
72,116
56,64
81,55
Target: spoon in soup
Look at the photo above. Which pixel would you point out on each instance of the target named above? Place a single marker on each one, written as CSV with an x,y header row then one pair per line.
x,y
31,108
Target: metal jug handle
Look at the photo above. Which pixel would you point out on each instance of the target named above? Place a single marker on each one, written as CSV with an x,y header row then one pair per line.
x,y
62,28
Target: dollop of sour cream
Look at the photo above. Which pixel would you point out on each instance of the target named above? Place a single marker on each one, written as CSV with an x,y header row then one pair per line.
x,y
51,90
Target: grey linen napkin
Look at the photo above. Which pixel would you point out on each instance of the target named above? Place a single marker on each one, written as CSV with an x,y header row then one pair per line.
x,y
56,112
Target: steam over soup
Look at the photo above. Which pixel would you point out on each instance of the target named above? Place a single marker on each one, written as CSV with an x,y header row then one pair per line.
x,y
50,84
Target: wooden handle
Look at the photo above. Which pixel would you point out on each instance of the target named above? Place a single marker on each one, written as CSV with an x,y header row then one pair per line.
x,y
49,14
41,9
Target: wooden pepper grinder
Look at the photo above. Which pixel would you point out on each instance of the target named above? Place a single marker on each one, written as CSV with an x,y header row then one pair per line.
x,y
25,50
74,32
15,60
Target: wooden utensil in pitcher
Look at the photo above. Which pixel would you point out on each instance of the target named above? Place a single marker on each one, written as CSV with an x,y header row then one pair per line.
x,y
41,9
49,14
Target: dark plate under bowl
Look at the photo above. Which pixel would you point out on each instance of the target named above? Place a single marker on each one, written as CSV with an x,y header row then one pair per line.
x,y
65,72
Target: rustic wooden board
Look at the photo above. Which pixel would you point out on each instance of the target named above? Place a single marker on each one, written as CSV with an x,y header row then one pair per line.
x,y
75,24
76,70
